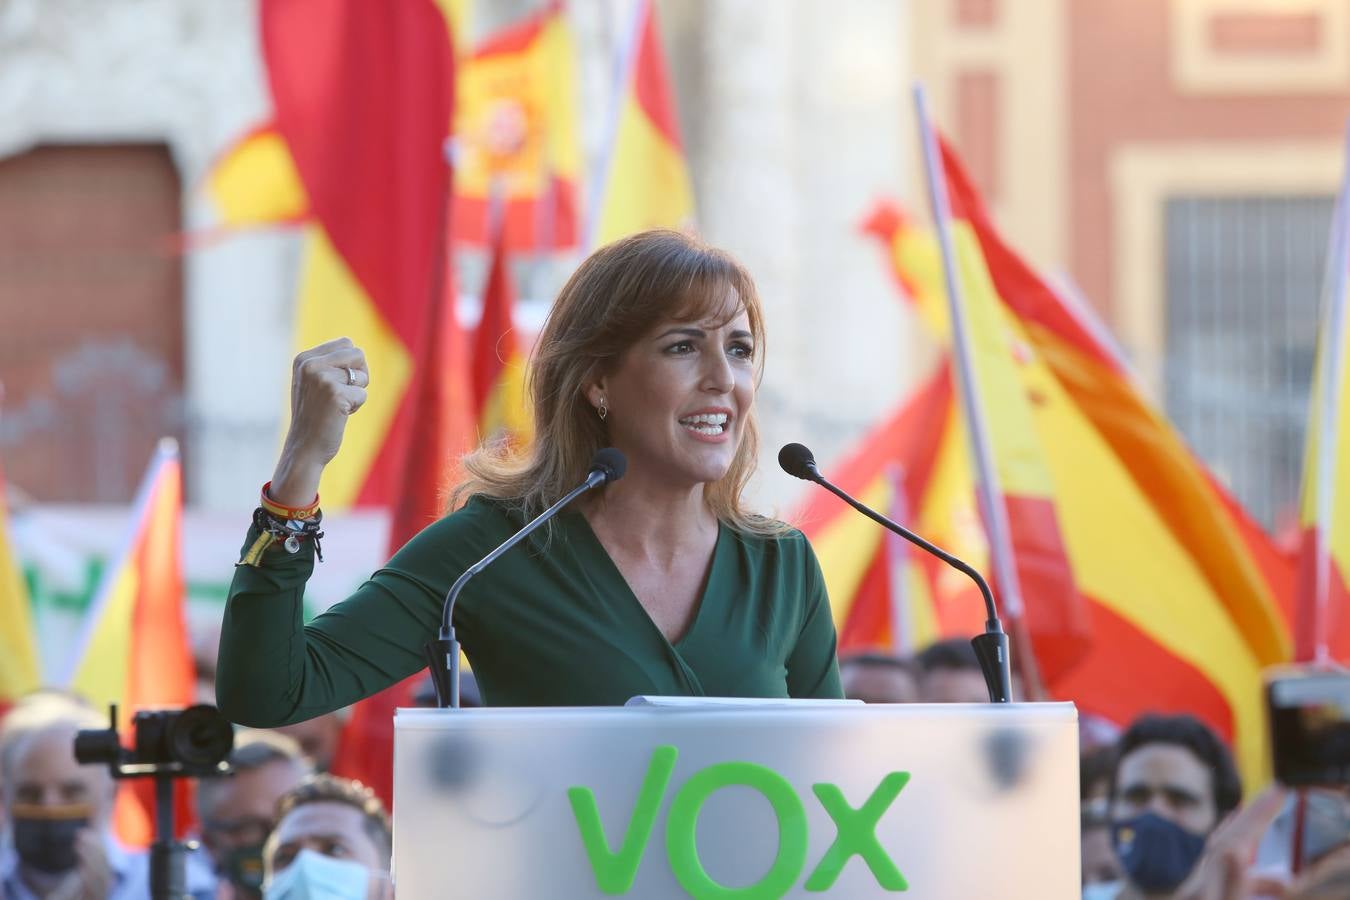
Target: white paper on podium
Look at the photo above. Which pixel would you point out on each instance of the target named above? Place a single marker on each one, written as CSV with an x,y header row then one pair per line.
x,y
735,702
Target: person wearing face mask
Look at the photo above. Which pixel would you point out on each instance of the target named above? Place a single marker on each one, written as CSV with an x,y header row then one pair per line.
x,y
1173,783
60,843
237,812
332,840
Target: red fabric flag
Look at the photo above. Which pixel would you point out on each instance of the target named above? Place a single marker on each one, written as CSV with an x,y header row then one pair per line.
x,y
498,358
363,94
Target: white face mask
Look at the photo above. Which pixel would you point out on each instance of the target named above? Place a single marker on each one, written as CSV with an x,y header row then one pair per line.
x,y
313,876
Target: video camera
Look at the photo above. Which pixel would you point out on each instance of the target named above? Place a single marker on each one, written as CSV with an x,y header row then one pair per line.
x,y
179,743
167,744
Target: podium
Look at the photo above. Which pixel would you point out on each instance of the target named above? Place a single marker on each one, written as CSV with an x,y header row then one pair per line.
x,y
742,800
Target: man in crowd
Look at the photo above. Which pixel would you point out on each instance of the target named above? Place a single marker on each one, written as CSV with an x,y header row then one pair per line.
x,y
332,839
1172,784
950,673
236,812
60,841
878,678
318,737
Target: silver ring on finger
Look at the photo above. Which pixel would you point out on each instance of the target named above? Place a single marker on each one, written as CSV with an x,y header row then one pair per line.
x,y
351,376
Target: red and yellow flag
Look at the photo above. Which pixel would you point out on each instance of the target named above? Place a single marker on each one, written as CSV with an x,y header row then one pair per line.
x,y
19,672
498,358
362,96
1181,617
134,648
516,132
1323,597
646,181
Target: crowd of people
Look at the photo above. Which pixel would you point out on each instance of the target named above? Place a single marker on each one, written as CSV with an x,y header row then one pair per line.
x,y
1162,814
277,821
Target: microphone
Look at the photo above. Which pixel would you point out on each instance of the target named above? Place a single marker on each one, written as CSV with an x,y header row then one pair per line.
x,y
442,655
991,647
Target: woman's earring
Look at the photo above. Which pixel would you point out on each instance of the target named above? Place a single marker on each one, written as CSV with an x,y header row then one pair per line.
x,y
602,409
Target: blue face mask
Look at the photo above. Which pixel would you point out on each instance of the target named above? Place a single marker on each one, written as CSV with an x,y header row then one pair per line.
x,y
313,876
1156,853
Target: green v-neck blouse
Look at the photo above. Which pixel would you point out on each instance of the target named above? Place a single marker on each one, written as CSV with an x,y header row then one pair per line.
x,y
551,623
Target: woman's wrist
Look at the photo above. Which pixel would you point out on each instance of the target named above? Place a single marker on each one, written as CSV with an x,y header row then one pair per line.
x,y
295,482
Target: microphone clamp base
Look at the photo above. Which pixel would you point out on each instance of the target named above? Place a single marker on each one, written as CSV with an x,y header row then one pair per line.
x,y
442,657
991,649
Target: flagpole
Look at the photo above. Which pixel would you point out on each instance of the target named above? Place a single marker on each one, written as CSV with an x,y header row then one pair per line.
x,y
987,486
1330,371
624,60
897,563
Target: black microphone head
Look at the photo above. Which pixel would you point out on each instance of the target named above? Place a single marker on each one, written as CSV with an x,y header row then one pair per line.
x,y
610,463
798,461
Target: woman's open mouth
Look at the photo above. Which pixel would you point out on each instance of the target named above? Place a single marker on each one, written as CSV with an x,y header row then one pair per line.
x,y
710,424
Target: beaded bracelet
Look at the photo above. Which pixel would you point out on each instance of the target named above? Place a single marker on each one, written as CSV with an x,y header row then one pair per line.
x,y
288,531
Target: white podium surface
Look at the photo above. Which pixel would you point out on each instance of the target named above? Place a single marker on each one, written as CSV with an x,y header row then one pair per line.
x,y
943,801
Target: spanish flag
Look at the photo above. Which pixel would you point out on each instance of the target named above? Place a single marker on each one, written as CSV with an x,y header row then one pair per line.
x,y
19,672
498,358
516,133
1180,616
645,182
133,647
1323,607
355,153
915,261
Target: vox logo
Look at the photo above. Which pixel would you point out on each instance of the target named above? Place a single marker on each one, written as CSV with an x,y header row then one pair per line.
x,y
855,830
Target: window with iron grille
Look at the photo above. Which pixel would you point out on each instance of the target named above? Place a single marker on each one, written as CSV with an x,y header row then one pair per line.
x,y
1243,282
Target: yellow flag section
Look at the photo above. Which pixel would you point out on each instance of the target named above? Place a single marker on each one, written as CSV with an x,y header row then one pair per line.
x,y
332,304
255,184
459,15
646,183
19,672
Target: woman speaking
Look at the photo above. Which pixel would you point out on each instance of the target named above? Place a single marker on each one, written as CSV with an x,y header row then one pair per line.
x,y
662,583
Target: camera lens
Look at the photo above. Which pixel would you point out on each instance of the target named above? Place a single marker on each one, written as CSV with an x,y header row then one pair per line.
x,y
200,737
